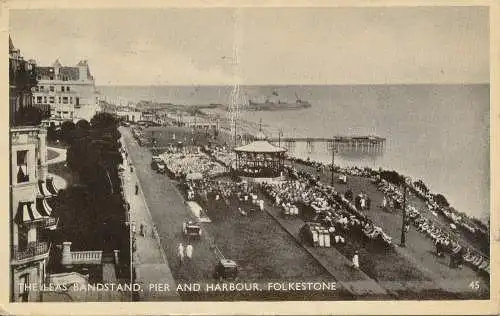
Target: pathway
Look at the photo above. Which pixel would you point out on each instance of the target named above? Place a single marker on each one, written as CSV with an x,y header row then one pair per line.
x,y
59,158
149,260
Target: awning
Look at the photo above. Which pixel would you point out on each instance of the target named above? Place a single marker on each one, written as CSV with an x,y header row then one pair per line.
x,y
43,190
51,187
43,207
27,212
31,211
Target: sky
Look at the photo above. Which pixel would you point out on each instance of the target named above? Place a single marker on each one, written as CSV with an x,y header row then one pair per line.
x,y
200,46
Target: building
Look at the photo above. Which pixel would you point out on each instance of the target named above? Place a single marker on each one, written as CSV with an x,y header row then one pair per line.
x,y
128,114
69,92
31,191
31,225
22,77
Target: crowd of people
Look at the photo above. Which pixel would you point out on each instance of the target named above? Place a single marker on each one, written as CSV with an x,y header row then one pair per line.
x,y
180,164
221,154
223,190
445,241
338,215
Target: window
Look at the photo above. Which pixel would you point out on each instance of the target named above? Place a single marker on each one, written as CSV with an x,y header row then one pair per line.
x,y
22,166
37,89
51,77
67,88
38,99
59,99
22,238
45,100
41,88
51,88
24,281
71,100
39,77
62,88
51,99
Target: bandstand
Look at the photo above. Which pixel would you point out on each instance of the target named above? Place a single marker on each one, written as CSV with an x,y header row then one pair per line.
x,y
260,159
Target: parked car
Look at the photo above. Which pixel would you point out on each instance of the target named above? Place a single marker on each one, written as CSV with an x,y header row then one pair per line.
x,y
226,270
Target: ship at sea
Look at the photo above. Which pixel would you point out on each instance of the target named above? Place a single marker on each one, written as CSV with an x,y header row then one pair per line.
x,y
279,105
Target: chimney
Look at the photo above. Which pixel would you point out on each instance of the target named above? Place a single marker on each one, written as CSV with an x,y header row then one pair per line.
x,y
83,70
57,65
66,254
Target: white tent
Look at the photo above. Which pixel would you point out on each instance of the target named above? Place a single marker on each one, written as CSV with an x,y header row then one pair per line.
x,y
194,176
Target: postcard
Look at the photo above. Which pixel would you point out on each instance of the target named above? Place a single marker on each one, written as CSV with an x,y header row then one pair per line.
x,y
283,158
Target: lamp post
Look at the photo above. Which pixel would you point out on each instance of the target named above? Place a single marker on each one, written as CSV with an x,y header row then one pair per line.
x,y
403,224
333,158
131,254
280,133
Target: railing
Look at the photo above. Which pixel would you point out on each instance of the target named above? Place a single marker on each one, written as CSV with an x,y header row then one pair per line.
x,y
86,257
33,249
50,222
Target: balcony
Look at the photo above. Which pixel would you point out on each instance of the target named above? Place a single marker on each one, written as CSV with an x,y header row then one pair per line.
x,y
49,223
34,251
86,257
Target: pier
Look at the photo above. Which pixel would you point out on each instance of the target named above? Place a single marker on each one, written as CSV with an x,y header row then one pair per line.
x,y
362,144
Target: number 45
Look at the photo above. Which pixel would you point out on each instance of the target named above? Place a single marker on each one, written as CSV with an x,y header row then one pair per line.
x,y
474,285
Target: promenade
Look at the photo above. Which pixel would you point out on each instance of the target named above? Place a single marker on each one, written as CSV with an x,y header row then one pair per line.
x,y
418,253
149,260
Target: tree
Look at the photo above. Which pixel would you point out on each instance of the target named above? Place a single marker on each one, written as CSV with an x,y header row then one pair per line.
x,y
83,124
392,177
52,133
103,120
420,184
28,116
441,200
67,129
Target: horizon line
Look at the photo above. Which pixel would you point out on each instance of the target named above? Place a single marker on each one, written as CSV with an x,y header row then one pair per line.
x,y
297,84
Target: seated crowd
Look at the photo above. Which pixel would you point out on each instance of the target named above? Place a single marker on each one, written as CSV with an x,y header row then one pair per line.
x,y
181,164
445,241
333,211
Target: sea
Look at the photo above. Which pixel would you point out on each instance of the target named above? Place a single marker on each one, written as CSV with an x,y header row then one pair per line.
x,y
437,133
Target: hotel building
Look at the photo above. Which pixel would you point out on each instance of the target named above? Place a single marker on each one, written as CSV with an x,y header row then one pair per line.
x,y
68,93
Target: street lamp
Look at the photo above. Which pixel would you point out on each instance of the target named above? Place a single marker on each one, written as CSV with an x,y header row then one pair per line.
x,y
404,223
280,133
333,158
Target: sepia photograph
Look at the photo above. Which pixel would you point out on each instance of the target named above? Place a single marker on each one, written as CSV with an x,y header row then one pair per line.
x,y
249,154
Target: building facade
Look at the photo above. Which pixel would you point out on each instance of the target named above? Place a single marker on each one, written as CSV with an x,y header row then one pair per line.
x,y
22,77
31,224
31,191
68,92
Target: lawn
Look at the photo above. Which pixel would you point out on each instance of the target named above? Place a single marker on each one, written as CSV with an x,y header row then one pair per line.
x,y
51,154
64,172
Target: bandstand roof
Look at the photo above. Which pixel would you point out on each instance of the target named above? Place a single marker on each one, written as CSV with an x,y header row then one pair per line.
x,y
260,146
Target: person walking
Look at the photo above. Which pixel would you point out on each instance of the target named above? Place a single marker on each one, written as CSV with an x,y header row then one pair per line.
x,y
384,203
189,252
180,253
136,189
355,260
